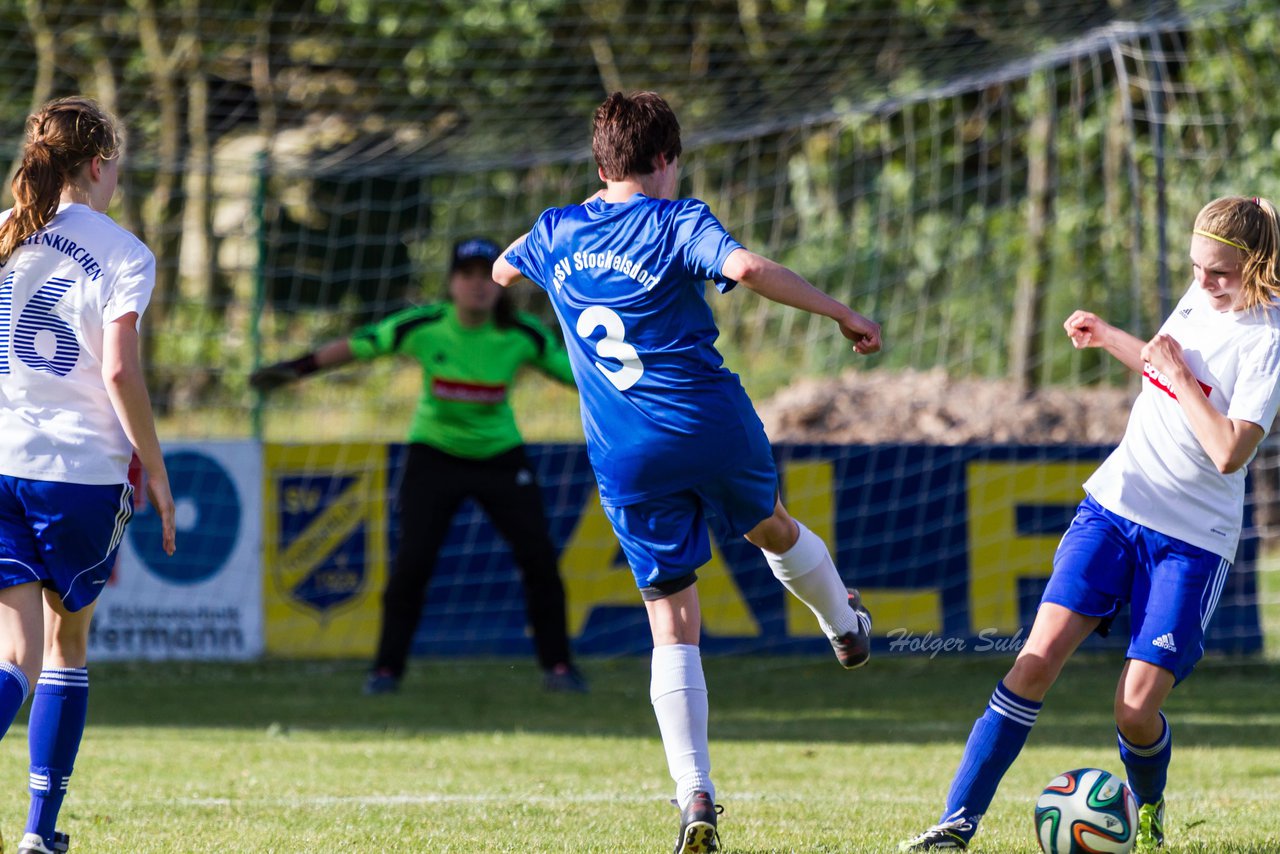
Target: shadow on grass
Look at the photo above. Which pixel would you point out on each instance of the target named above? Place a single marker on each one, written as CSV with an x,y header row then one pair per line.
x,y
892,701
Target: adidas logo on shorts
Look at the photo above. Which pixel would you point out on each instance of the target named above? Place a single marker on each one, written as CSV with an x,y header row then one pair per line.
x,y
1165,641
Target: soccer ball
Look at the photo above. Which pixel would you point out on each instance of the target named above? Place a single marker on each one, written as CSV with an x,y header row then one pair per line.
x,y
1086,811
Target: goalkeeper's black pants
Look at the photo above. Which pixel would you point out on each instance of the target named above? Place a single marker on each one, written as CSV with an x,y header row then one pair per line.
x,y
433,485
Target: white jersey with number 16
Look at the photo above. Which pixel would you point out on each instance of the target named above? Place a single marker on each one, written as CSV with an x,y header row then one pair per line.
x,y
58,291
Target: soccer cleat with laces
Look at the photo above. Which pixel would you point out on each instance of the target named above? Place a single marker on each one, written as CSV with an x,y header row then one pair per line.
x,y
947,836
33,843
698,832
1150,827
853,648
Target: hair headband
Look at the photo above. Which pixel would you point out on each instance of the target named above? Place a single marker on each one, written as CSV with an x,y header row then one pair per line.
x,y
1227,240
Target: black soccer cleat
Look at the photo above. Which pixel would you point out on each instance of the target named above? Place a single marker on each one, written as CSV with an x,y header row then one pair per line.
x,y
853,648
698,832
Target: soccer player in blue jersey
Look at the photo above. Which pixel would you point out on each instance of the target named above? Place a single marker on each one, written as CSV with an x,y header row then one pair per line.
x,y
670,432
74,410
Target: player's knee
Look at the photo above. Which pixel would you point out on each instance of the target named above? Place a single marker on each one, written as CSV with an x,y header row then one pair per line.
x,y
400,602
1032,676
28,662
537,563
777,534
1136,718
409,578
69,649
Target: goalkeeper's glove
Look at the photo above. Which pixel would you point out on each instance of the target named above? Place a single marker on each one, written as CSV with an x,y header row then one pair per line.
x,y
269,377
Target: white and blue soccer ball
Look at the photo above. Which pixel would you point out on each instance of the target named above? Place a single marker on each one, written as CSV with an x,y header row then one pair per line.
x,y
1086,811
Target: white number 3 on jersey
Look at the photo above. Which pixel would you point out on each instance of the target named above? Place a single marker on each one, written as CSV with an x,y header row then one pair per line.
x,y
612,346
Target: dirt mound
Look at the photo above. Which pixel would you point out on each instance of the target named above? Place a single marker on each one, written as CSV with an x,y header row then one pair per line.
x,y
872,407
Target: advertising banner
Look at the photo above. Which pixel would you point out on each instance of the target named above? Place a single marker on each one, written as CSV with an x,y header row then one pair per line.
x,y
950,546
205,601
324,548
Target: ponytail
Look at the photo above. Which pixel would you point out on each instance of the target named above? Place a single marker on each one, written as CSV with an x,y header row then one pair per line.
x,y
37,189
60,138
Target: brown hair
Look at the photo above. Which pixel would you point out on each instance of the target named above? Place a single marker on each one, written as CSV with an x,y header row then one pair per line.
x,y
1252,225
62,136
629,131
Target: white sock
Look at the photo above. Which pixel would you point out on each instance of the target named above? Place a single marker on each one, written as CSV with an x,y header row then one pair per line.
x,y
679,694
806,569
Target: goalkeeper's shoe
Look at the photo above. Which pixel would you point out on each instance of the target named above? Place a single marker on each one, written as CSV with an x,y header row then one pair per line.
x,y
381,681
951,835
565,679
33,843
698,833
853,648
1150,827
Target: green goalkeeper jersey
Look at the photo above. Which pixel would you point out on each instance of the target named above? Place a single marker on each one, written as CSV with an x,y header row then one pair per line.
x,y
467,373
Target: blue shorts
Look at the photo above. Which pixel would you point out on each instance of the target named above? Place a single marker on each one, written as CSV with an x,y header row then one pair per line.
x,y
64,535
665,539
1172,587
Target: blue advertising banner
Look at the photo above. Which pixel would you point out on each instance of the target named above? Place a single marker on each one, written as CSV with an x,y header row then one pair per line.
x,y
950,546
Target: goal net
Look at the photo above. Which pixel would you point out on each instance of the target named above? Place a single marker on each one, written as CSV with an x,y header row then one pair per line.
x,y
965,174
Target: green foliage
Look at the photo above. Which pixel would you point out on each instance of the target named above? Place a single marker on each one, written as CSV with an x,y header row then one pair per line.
x,y
880,148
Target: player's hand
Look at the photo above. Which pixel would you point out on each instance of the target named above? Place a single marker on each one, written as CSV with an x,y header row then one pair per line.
x,y
863,332
162,501
1165,355
596,195
1086,329
270,377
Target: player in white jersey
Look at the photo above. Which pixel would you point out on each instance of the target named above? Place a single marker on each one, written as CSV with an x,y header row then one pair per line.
x,y
74,409
1161,519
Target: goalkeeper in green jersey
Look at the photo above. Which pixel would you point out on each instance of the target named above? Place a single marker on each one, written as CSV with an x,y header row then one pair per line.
x,y
463,443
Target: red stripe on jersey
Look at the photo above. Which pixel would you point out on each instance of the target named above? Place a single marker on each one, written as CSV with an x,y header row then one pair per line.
x,y
1161,381
468,392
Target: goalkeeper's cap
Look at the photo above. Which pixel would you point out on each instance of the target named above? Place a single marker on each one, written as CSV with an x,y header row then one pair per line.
x,y
472,250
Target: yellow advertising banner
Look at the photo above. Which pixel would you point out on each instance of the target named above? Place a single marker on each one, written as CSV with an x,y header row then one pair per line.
x,y
324,548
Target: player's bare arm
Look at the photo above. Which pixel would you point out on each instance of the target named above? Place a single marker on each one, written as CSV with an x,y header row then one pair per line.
x,y
780,284
1229,442
504,272
126,387
1086,329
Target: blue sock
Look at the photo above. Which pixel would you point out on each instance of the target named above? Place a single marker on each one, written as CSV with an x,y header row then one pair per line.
x,y
1148,766
13,693
995,741
58,713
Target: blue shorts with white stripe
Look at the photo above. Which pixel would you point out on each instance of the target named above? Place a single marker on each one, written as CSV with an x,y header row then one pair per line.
x,y
1172,587
64,535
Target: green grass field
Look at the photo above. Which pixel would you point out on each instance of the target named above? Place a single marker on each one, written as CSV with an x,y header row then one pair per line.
x,y
474,756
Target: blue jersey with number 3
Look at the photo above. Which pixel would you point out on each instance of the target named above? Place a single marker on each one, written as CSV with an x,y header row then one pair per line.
x,y
660,411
